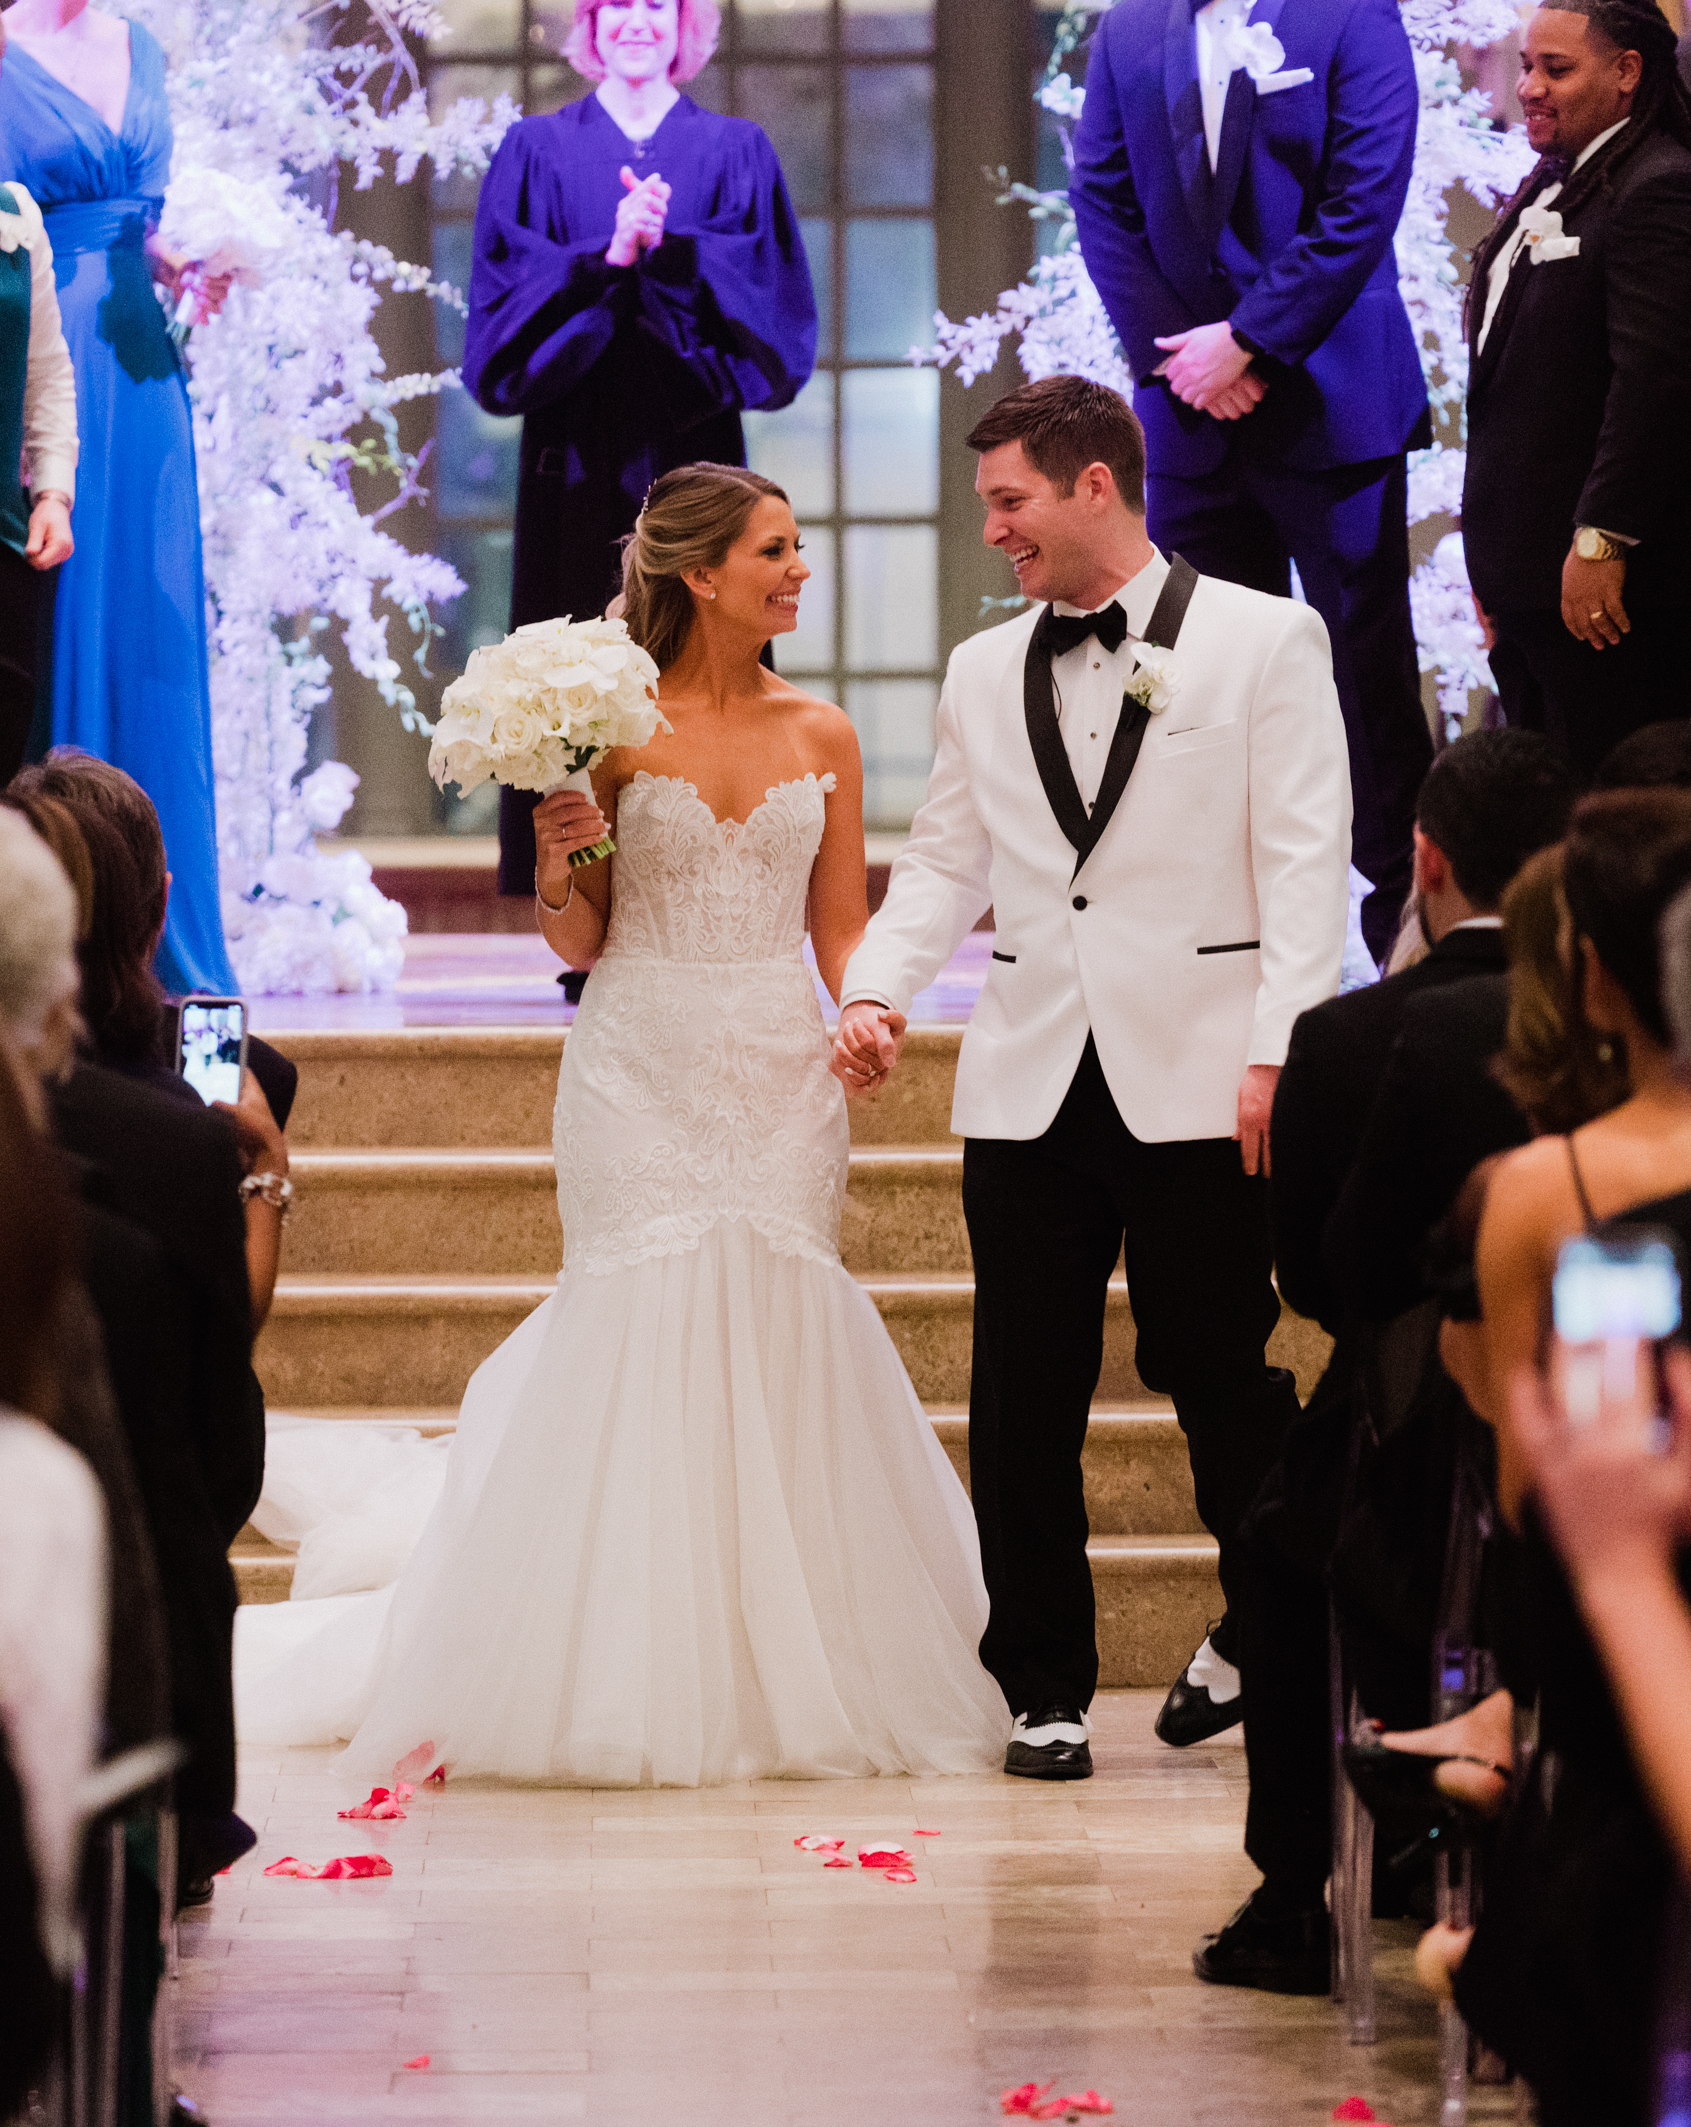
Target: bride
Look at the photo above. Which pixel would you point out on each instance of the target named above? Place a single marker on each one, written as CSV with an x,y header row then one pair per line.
x,y
694,1526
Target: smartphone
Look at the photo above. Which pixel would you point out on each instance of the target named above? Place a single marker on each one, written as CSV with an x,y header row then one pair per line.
x,y
211,1046
1616,1299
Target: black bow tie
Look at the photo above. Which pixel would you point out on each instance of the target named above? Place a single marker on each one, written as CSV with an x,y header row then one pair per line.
x,y
1067,631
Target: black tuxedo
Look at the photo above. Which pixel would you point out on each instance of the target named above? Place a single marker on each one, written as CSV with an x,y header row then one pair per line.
x,y
1578,414
170,1166
1340,1054
1334,1066
1439,1112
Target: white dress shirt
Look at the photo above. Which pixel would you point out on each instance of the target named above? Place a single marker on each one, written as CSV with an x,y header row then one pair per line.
x,y
1089,681
1497,278
49,393
1215,69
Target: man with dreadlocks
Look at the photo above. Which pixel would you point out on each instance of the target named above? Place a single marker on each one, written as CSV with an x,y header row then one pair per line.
x,y
1575,509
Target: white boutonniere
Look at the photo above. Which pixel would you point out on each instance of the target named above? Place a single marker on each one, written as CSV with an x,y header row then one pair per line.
x,y
1155,679
1254,47
1541,227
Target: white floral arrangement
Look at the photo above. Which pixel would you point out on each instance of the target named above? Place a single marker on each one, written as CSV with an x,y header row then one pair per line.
x,y
1154,681
537,710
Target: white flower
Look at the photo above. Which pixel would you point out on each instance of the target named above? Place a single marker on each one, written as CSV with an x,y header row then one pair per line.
x,y
1155,679
325,794
1536,223
1063,97
1254,47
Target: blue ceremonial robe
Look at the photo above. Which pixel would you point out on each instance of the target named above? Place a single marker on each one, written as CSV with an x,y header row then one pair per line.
x,y
622,373
129,628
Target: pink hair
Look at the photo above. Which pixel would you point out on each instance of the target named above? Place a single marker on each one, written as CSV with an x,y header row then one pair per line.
x,y
698,24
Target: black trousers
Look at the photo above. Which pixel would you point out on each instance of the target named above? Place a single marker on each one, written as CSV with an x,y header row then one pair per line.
x,y
1048,1219
1588,700
23,600
1347,530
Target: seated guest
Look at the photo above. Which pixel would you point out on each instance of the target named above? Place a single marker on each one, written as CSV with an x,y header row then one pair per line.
x,y
1486,804
1658,757
1554,1068
1559,1974
1579,430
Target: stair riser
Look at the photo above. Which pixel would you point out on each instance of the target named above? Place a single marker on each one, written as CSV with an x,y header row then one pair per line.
x,y
453,1091
1140,1485
1151,1612
898,1217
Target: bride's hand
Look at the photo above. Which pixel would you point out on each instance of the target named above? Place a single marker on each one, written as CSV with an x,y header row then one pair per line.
x,y
566,821
867,1046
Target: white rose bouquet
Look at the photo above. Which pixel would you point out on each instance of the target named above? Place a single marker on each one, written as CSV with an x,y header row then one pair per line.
x,y
222,225
537,710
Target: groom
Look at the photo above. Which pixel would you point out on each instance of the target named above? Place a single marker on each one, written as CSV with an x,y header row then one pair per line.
x,y
1164,841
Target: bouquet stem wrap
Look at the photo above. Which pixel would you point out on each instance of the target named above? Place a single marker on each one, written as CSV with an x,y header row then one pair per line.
x,y
582,779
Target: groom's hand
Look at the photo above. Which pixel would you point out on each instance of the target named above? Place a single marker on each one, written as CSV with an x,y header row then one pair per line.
x,y
1256,1104
867,1045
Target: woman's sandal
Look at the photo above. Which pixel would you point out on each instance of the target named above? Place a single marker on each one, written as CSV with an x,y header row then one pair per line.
x,y
1400,1792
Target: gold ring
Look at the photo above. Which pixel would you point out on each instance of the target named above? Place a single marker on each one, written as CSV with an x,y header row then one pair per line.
x,y
1598,615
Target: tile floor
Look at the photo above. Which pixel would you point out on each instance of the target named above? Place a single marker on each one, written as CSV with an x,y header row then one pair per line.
x,y
614,1957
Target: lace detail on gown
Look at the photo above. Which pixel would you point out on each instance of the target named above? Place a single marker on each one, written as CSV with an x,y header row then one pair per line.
x,y
695,1086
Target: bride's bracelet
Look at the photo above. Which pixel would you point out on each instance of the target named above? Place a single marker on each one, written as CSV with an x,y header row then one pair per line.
x,y
545,904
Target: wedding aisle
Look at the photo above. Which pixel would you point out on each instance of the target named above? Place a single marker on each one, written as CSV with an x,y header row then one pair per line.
x,y
636,1957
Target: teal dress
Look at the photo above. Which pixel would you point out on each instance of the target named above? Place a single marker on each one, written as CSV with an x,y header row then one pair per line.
x,y
129,630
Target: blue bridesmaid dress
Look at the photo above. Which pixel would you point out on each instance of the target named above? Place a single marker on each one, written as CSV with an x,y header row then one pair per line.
x,y
129,634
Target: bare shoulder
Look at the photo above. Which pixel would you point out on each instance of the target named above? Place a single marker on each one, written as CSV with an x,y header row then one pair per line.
x,y
1531,1189
821,731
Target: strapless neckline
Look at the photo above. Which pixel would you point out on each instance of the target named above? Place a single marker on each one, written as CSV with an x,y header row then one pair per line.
x,y
732,827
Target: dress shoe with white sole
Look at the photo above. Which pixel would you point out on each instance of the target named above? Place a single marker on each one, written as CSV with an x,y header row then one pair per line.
x,y
1203,1700
1050,1744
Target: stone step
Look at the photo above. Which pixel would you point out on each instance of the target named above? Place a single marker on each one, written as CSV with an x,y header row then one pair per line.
x,y
1155,1596
456,1088
488,1212
1138,1478
409,1340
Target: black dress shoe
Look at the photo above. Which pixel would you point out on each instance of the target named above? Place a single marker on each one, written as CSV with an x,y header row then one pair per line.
x,y
1190,1715
1276,1951
1050,1744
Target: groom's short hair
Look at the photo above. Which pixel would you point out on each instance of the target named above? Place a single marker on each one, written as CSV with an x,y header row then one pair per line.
x,y
1065,424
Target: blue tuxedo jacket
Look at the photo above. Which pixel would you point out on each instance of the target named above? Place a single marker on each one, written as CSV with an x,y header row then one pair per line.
x,y
1291,238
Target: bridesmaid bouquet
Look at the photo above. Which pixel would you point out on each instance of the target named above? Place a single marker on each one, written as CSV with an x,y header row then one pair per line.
x,y
223,226
537,710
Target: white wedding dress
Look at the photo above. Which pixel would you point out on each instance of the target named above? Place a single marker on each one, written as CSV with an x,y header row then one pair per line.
x,y
694,1526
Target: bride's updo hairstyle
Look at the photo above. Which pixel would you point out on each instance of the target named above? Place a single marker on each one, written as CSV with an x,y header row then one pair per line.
x,y
692,517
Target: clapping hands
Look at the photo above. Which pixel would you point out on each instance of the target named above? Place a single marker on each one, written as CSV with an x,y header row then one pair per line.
x,y
640,218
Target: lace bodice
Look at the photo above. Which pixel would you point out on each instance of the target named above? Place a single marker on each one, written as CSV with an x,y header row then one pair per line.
x,y
695,1082
692,887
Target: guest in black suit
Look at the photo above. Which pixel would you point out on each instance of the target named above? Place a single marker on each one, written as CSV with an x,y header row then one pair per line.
x,y
1574,512
1487,803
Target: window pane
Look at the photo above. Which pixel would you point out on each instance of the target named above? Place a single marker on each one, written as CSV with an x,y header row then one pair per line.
x,y
892,579
475,463
478,26
796,448
887,25
483,614
889,441
895,728
781,26
889,136
819,249
451,262
795,108
551,87
709,89
889,288
810,647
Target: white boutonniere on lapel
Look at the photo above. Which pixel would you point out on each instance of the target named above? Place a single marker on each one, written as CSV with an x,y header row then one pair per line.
x,y
1541,227
1254,47
1155,679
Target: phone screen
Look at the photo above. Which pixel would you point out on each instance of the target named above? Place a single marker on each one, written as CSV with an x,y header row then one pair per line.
x,y
213,1046
1606,1290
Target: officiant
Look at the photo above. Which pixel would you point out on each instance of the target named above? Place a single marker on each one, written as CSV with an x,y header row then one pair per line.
x,y
639,281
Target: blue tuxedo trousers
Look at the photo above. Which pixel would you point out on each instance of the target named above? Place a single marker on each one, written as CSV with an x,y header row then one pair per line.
x,y
1346,529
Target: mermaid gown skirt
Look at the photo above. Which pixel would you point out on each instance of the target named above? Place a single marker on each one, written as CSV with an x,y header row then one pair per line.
x,y
694,1525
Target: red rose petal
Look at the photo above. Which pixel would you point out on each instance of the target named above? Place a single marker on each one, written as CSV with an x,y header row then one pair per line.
x,y
883,1857
414,1763
1049,2111
836,1861
1353,2108
1087,2101
420,2060
438,1776
1023,2098
380,1803
901,1875
814,1843
924,1835
342,1865
404,1791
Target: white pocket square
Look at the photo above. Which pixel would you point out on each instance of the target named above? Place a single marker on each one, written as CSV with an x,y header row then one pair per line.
x,y
1554,247
1293,78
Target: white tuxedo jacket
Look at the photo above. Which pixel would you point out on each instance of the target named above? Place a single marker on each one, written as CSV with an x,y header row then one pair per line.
x,y
1210,913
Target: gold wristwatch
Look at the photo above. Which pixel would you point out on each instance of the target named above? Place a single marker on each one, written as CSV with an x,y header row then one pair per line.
x,y
1593,545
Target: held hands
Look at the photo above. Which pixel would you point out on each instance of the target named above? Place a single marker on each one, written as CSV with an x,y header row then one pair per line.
x,y
1210,370
640,218
49,540
1591,600
566,821
1256,1104
867,1046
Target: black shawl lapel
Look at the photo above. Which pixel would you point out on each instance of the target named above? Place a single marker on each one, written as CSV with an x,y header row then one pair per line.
x,y
1039,704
